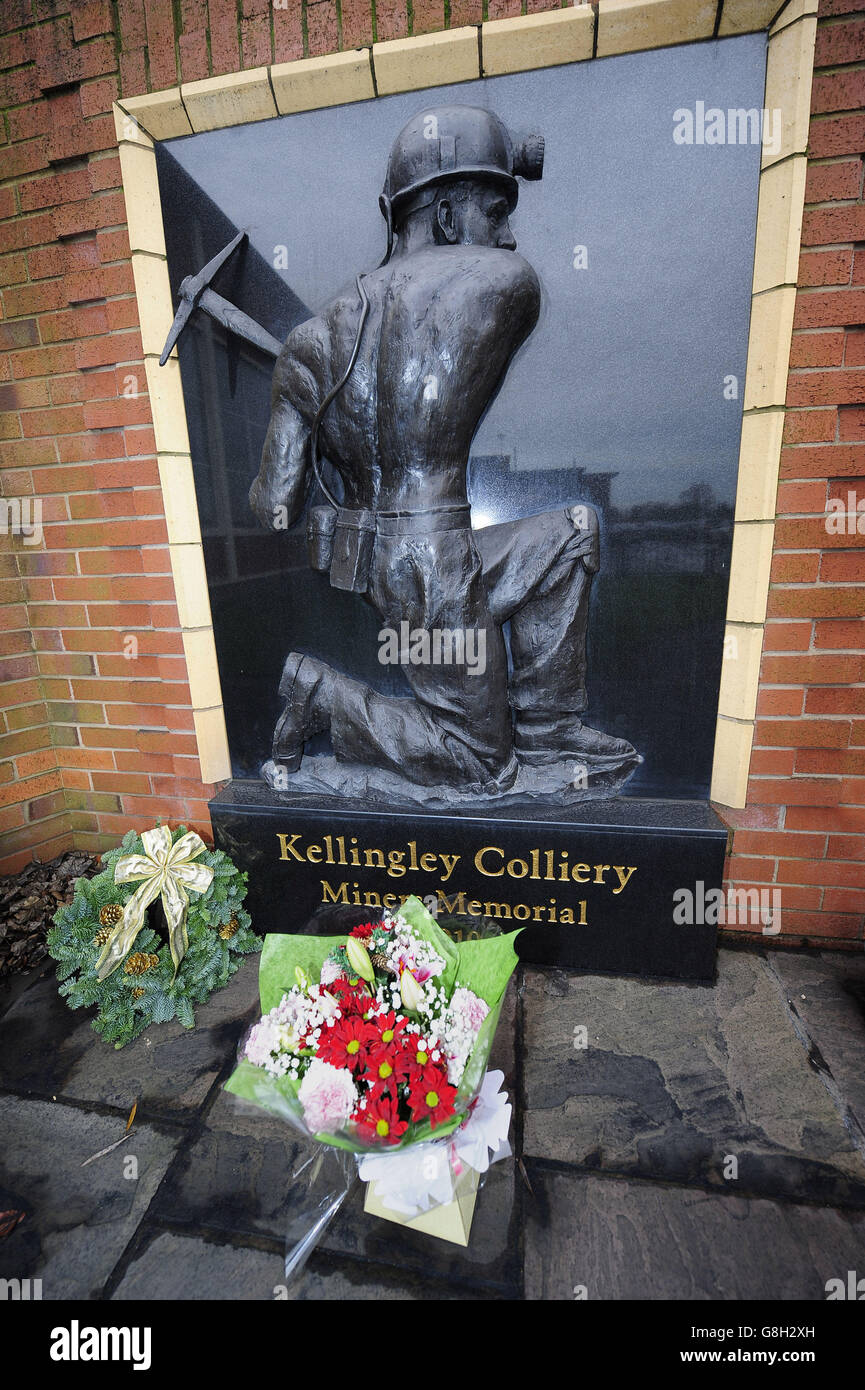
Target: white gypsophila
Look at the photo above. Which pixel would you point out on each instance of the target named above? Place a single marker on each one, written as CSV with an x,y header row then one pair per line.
x,y
275,1040
330,971
405,950
460,1026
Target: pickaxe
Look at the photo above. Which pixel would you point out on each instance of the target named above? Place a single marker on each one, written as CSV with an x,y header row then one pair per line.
x,y
195,293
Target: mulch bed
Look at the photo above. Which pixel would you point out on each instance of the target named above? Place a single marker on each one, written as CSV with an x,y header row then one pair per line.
x,y
28,901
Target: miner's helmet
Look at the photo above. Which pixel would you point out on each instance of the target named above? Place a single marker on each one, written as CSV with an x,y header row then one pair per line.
x,y
453,142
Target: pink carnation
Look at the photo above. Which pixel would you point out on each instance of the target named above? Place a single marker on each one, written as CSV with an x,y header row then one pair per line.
x,y
263,1042
467,1009
465,1014
328,1096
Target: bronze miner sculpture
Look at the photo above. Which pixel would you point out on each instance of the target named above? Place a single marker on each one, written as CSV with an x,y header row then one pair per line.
x,y
389,383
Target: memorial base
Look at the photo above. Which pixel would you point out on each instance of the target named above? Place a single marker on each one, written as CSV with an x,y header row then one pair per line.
x,y
616,886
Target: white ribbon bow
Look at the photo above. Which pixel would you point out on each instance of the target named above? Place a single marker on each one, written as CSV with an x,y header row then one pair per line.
x,y
421,1176
166,871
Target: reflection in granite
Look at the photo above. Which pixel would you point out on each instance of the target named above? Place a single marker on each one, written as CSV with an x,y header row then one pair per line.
x,y
552,784
234,1175
620,1239
48,1049
626,813
79,1220
677,1078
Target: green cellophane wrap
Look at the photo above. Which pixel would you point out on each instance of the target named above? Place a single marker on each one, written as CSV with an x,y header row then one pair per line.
x,y
481,966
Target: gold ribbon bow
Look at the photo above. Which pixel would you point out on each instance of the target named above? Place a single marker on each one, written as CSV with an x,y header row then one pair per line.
x,y
168,871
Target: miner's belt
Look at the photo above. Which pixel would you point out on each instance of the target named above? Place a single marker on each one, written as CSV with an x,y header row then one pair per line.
x,y
424,523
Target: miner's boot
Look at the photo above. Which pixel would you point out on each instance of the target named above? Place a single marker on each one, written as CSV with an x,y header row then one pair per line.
x,y
306,688
539,741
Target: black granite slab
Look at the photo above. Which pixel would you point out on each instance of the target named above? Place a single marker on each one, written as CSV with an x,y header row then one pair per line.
x,y
627,396
591,886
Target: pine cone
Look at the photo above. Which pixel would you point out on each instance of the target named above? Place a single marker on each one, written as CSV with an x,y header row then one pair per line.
x,y
110,915
227,932
140,961
102,936
137,992
380,962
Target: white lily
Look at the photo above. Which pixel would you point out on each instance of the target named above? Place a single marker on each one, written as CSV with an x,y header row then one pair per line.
x,y
410,991
358,959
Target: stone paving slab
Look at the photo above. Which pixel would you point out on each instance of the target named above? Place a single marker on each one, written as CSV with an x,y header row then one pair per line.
x,y
826,995
13,986
622,1239
174,1267
79,1220
185,1267
48,1049
235,1178
677,1078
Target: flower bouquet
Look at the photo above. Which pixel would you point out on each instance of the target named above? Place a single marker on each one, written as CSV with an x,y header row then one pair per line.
x,y
377,1044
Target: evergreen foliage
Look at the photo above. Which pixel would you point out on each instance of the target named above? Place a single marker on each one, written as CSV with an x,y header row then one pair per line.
x,y
208,964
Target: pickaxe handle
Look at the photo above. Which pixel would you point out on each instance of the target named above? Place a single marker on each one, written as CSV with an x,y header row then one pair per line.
x,y
196,294
238,322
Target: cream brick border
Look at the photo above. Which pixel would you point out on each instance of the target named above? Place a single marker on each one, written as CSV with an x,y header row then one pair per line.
x,y
460,55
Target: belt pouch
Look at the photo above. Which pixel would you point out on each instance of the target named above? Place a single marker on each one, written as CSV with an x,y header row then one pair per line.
x,y
353,540
320,526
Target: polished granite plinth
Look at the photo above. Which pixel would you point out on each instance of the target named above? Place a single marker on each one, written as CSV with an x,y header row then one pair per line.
x,y
591,886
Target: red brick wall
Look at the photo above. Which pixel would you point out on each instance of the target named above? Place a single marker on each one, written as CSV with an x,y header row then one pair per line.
x,y
91,742
803,827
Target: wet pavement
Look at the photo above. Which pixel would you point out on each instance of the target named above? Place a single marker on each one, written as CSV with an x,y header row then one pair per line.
x,y
672,1141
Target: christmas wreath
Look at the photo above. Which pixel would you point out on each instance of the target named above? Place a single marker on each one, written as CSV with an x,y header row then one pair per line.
x,y
108,953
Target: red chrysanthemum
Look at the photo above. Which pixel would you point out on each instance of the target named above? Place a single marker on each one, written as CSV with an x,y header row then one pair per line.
x,y
379,1120
363,932
346,1042
390,1055
385,1070
431,1097
352,995
419,1056
391,1029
